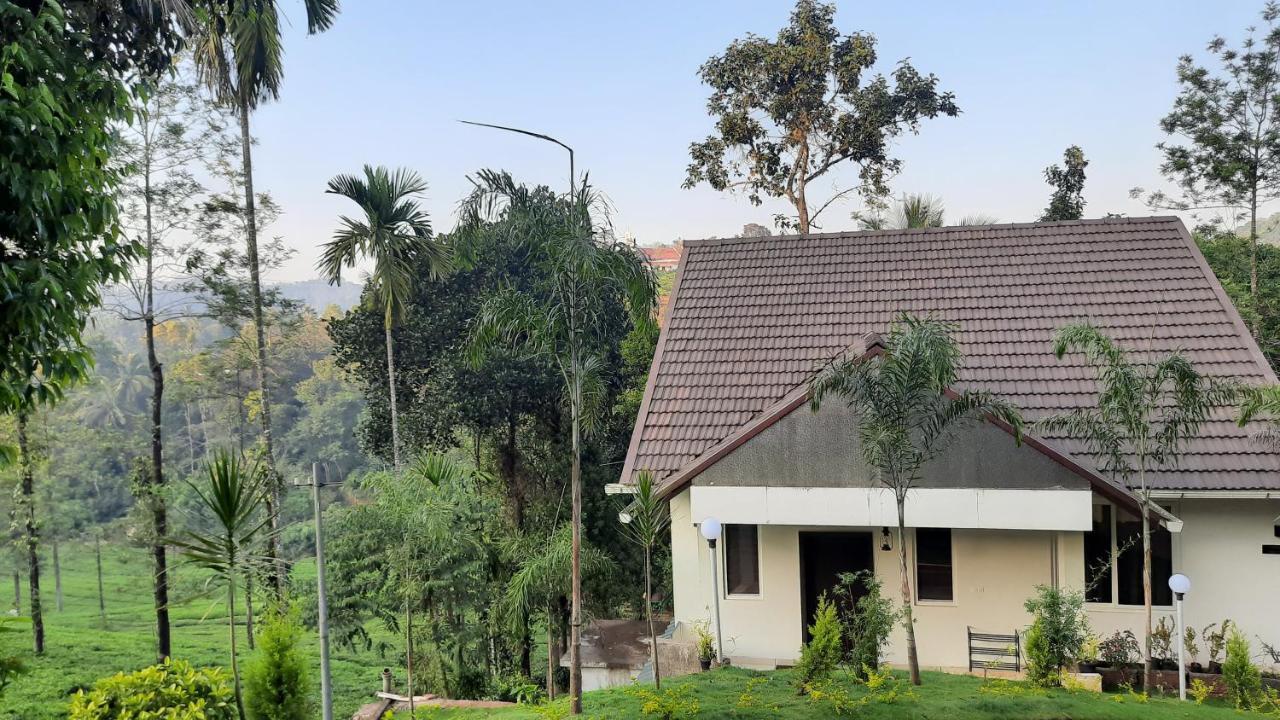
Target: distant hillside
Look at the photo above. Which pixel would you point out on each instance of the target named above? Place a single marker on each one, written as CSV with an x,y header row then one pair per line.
x,y
319,294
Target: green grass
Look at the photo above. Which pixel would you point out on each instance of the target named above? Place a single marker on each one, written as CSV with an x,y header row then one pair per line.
x,y
79,650
719,694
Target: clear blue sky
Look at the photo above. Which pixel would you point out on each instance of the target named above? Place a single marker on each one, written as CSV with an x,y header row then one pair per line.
x,y
618,81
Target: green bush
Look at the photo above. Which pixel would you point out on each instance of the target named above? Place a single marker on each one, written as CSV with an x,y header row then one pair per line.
x,y
1242,678
277,679
174,690
1057,635
820,656
866,622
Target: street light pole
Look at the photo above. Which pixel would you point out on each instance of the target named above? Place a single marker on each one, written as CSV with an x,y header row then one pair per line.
x,y
532,134
1180,584
326,686
710,530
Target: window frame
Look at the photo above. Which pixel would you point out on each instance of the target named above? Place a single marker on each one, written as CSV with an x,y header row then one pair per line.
x,y
915,562
724,563
1115,603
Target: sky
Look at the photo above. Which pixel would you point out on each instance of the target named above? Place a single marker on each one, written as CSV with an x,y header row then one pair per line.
x,y
618,82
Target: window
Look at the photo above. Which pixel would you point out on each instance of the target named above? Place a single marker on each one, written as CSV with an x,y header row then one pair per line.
x,y
1097,557
741,560
933,564
1113,559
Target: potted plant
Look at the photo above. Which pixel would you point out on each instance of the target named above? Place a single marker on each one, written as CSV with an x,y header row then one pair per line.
x,y
1119,654
1162,654
1215,641
1192,650
706,645
1088,660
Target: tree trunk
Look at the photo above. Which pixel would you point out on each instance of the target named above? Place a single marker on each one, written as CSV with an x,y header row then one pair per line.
x,y
57,574
908,620
260,332
102,597
17,589
191,437
155,491
1253,261
408,650
33,534
1146,593
231,633
648,613
575,619
552,654
248,607
391,392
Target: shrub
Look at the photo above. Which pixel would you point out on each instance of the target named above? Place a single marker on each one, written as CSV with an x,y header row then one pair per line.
x,y
1119,649
866,622
1058,631
277,678
675,703
1200,691
1216,640
820,656
1162,640
1241,676
173,690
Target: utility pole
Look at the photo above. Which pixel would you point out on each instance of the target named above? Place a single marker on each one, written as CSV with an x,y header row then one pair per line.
x,y
326,686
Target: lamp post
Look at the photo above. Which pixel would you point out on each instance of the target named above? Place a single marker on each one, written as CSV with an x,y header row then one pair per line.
x,y
326,687
1180,585
710,530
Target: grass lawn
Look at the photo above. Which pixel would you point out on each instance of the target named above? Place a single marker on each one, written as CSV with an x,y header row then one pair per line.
x,y
79,650
724,694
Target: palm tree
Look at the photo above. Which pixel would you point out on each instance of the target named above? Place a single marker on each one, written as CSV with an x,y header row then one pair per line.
x,y
588,273
1143,415
231,495
396,233
644,521
546,567
239,54
920,210
906,414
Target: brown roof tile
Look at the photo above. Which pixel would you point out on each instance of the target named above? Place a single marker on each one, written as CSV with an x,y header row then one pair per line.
x,y
752,318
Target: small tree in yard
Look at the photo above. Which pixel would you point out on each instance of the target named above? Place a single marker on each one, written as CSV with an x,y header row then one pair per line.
x,y
1057,633
791,110
820,656
278,679
644,521
906,414
1144,413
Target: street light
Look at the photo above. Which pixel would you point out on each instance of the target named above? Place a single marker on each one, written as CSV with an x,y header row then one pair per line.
x,y
326,686
1180,585
710,530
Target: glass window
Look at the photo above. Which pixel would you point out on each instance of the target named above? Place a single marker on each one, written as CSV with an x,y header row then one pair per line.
x,y
1129,561
741,560
933,564
1097,556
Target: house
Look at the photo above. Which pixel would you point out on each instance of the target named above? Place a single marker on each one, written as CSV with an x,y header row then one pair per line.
x,y
725,426
663,257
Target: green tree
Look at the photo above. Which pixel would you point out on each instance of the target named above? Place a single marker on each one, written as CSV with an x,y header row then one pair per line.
x,y
790,110
277,681
395,232
1067,180
916,211
232,496
645,519
906,414
67,71
1229,120
587,272
239,53
820,656
1144,413
1232,261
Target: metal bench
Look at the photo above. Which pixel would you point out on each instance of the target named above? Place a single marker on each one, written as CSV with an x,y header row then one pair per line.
x,y
992,651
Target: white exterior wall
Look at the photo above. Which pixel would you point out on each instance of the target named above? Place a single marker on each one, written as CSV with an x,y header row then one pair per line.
x,y
994,571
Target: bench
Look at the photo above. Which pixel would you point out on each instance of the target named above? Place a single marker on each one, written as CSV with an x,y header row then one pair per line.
x,y
992,651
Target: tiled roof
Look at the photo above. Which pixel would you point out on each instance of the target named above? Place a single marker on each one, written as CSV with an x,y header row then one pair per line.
x,y
752,318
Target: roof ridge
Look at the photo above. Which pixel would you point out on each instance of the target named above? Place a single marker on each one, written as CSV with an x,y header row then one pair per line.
x,y
931,231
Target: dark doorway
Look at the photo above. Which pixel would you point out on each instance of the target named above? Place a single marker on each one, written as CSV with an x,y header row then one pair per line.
x,y
824,556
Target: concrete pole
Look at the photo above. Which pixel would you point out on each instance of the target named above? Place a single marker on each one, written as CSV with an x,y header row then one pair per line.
x,y
326,687
715,595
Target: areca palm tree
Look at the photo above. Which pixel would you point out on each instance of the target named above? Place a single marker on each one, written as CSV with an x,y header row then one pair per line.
x,y
920,210
906,414
1144,413
239,55
644,520
587,274
395,233
232,494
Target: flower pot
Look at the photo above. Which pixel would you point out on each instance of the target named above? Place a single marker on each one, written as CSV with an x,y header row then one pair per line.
x,y
1215,667
1164,681
704,663
1115,678
1195,667
1167,664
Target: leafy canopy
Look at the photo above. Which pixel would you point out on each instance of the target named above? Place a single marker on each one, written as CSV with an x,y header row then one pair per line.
x,y
1067,201
906,407
789,110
